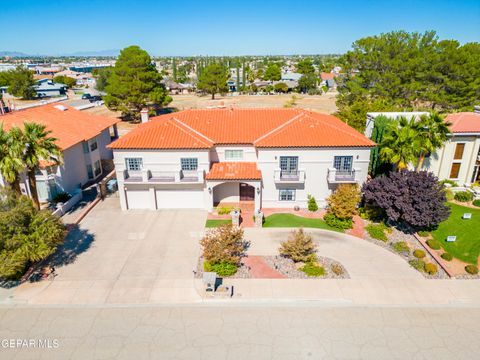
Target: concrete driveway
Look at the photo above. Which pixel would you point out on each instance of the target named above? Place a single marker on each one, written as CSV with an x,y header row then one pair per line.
x,y
125,257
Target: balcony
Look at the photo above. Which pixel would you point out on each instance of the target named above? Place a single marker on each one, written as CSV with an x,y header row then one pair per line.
x,y
289,177
163,177
343,177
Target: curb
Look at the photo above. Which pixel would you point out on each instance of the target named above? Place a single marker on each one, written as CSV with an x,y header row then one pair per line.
x,y
434,255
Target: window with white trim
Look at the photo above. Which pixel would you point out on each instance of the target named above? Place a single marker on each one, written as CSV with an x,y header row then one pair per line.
x,y
97,169
134,164
286,195
93,145
189,164
343,164
233,155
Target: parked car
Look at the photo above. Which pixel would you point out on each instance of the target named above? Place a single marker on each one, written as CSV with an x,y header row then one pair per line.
x,y
86,96
95,98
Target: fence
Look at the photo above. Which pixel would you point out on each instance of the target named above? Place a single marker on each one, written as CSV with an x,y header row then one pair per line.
x,y
62,208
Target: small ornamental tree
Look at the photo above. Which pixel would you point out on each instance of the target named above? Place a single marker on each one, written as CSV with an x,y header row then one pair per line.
x,y
312,203
343,202
224,245
298,247
414,198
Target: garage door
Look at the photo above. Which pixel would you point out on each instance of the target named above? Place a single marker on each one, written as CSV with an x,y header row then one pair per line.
x,y
180,199
138,199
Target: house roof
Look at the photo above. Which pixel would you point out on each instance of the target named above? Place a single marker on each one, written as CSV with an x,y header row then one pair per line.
x,y
464,122
327,76
234,171
69,126
279,127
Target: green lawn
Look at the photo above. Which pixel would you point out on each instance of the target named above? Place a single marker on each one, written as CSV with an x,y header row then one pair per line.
x,y
290,220
467,246
215,223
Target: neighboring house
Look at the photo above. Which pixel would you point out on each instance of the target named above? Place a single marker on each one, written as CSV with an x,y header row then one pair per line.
x,y
83,139
291,76
46,87
328,79
272,158
459,158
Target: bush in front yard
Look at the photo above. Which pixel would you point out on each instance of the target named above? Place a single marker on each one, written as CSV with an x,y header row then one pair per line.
x,y
464,196
343,202
333,221
476,202
312,203
417,264
372,213
433,244
224,210
337,269
313,269
377,231
62,197
222,269
447,256
471,269
419,254
431,269
401,247
423,233
224,244
298,247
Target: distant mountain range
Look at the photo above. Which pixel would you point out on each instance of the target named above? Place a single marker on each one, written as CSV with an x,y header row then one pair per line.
x,y
111,52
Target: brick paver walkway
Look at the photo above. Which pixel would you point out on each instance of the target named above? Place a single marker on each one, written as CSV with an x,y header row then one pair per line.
x,y
259,269
247,219
358,229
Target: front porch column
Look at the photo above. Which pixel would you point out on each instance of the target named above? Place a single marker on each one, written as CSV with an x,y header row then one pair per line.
x,y
209,197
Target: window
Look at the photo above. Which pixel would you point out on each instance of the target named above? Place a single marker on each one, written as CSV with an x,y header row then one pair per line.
x,y
85,147
286,195
93,145
289,165
90,171
233,155
459,151
189,164
343,164
455,170
134,164
97,168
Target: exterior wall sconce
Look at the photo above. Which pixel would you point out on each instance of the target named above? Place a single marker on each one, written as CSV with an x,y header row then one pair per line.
x,y
258,191
209,190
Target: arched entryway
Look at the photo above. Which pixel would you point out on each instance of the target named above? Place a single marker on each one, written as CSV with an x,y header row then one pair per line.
x,y
245,195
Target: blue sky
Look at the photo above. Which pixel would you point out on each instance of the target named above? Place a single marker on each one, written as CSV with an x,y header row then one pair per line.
x,y
186,27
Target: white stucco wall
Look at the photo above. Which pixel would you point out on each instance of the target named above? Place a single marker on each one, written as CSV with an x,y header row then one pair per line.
x,y
226,192
103,140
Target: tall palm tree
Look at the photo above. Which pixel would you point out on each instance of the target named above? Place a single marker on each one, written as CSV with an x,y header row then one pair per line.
x,y
402,144
10,161
37,145
434,132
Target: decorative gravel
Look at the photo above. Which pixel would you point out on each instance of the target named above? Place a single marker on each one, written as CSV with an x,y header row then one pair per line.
x,y
398,235
242,271
288,268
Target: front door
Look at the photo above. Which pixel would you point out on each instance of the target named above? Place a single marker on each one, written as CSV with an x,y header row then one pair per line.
x,y
247,192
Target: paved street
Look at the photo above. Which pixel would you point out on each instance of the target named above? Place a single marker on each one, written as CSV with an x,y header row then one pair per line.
x,y
303,331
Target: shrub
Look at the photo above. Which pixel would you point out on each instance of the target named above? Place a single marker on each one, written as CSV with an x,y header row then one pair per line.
x,y
401,247
476,202
433,244
419,254
343,202
449,182
431,269
372,213
417,264
222,269
337,269
62,197
464,196
449,195
298,247
224,210
423,233
377,231
313,269
415,198
224,244
447,256
337,223
312,203
471,269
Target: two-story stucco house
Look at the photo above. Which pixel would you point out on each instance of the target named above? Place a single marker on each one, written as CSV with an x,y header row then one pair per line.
x,y
83,139
270,158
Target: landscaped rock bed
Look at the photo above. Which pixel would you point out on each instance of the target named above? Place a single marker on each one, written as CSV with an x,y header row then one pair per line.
x,y
291,270
242,271
396,236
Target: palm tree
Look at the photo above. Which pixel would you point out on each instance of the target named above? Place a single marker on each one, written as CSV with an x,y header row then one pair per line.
x,y
402,144
37,145
10,162
434,132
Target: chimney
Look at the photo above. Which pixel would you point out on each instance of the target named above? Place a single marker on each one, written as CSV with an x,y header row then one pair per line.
x,y
476,109
144,115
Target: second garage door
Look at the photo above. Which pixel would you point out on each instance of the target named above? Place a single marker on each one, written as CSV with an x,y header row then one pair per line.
x,y
138,199
180,199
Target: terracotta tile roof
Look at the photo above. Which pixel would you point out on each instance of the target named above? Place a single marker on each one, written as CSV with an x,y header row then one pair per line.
x,y
234,171
464,122
327,76
197,129
69,126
